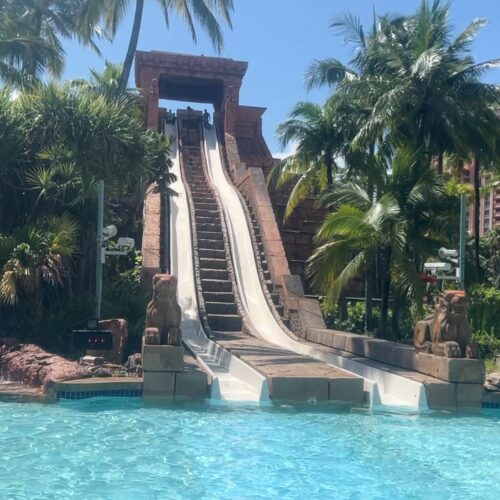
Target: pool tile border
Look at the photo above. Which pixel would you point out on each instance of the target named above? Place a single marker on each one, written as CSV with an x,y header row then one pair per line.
x,y
119,393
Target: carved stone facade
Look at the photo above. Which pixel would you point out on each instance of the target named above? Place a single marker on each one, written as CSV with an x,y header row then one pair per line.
x,y
166,75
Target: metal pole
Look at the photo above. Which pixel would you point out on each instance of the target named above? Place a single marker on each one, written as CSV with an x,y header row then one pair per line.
x,y
100,242
463,231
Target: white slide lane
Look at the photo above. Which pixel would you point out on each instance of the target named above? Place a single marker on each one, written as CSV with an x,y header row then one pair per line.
x,y
232,380
386,388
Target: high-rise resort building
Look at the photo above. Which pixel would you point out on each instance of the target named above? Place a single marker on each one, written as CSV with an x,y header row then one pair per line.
x,y
489,212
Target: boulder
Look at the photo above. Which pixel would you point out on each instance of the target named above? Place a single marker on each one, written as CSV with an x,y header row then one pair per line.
x,y
493,381
31,365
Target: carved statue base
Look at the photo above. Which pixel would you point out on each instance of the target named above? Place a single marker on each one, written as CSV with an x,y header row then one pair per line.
x,y
162,358
453,370
162,351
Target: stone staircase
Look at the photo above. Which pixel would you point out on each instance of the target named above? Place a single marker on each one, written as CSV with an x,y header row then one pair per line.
x,y
216,284
272,289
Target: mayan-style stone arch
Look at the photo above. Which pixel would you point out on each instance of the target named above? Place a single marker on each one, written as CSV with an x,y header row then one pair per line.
x,y
217,81
183,77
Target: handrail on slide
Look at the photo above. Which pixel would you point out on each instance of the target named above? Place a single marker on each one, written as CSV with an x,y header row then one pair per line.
x,y
231,378
385,388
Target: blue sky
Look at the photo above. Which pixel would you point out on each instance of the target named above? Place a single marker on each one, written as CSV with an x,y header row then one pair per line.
x,y
279,39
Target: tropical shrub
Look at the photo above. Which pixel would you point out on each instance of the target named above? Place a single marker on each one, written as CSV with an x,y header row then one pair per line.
x,y
484,310
59,141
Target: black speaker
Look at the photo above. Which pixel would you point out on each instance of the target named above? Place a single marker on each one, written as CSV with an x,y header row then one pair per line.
x,y
101,340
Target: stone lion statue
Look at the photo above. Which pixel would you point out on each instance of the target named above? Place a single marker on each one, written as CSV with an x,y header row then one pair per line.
x,y
447,332
163,314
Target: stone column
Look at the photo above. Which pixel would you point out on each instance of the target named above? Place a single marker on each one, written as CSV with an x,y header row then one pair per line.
x,y
230,105
152,109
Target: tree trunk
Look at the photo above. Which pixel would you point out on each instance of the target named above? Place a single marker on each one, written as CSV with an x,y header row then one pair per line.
x,y
329,172
396,308
440,163
370,257
343,306
386,288
477,207
369,293
132,46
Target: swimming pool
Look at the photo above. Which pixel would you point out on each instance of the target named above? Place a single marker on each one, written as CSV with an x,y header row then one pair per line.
x,y
122,449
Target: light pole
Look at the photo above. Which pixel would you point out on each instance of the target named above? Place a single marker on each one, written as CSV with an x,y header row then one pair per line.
x,y
99,261
123,246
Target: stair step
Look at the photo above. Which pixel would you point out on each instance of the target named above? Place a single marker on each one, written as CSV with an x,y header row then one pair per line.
x,y
226,297
225,322
213,244
209,285
214,274
206,213
209,227
279,308
276,298
208,235
221,307
212,253
199,190
200,185
213,263
206,206
270,286
202,196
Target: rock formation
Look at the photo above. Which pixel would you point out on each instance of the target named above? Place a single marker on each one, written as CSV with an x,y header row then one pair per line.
x,y
31,365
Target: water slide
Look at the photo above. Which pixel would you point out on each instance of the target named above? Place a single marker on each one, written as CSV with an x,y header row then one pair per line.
x,y
232,380
385,388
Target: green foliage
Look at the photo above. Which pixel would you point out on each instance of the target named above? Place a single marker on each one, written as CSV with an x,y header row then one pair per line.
x,y
53,329
355,321
410,100
34,256
484,310
58,141
124,297
30,37
490,257
489,345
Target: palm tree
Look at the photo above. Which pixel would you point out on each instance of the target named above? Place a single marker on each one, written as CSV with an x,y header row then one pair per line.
x,y
400,226
320,135
57,141
205,12
34,257
435,93
359,83
30,32
23,55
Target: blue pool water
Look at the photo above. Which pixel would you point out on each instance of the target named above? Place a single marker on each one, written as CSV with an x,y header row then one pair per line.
x,y
122,449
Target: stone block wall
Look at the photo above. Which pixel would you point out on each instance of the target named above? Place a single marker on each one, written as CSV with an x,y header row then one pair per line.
x,y
151,236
